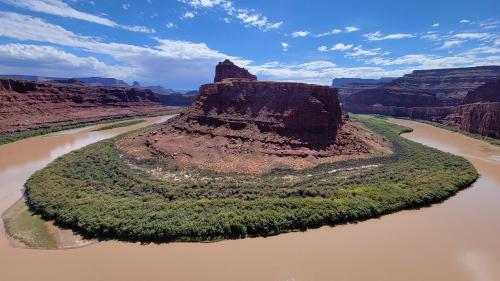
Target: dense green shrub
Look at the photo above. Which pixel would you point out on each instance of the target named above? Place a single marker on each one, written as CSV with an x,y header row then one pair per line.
x,y
93,190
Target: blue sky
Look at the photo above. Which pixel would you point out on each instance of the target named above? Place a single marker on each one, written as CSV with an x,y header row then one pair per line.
x,y
176,43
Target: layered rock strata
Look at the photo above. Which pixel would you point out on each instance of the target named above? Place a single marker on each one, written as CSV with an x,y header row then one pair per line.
x,y
26,105
245,126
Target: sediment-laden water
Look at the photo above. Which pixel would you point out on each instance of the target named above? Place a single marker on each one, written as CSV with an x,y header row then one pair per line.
x,y
455,240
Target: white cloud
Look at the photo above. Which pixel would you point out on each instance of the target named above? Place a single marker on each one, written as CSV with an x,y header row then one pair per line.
x,y
465,21
246,16
126,6
341,47
322,48
377,36
478,36
451,44
435,25
285,46
149,63
300,34
227,20
360,52
351,28
60,8
425,61
170,25
431,36
188,15
333,31
318,72
49,61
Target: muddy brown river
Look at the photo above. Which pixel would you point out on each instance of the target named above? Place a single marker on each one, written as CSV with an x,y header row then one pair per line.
x,y
458,239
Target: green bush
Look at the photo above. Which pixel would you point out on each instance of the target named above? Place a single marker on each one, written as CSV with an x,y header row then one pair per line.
x,y
94,191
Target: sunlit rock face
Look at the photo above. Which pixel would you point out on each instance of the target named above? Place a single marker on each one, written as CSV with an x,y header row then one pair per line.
x,y
243,125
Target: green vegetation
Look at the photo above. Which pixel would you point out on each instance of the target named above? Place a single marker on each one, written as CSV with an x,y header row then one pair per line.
x,y
455,129
15,136
93,190
28,228
120,124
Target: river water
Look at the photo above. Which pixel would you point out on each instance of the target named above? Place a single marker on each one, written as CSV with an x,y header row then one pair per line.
x,y
456,240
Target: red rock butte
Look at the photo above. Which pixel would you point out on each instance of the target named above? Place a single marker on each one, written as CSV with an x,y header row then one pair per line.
x,y
242,125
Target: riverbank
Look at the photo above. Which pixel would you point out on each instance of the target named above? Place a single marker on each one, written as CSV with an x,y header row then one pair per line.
x,y
97,193
15,136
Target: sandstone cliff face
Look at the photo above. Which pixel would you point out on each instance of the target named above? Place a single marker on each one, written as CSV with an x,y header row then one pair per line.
x,y
489,92
228,70
479,118
249,126
392,96
449,85
28,105
266,111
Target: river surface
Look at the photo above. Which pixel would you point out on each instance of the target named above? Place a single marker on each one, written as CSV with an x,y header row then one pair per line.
x,y
456,240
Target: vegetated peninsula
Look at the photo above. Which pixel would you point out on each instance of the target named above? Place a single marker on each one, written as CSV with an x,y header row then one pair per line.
x,y
248,158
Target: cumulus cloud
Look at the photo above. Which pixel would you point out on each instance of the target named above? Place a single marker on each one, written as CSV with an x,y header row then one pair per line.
x,y
188,15
341,47
34,59
60,8
377,36
300,34
426,61
435,25
322,48
285,46
360,52
246,16
193,62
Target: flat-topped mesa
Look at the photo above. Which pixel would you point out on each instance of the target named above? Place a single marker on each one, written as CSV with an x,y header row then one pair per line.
x,y
247,126
227,70
266,111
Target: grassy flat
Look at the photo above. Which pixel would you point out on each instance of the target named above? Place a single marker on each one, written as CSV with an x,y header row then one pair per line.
x,y
120,125
96,192
28,228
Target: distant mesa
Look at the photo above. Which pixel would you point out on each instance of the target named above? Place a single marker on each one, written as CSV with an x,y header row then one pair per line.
x,y
342,82
242,125
465,98
228,70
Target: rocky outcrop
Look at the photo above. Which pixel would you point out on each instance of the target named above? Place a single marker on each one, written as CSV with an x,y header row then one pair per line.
x,y
266,111
26,105
479,118
489,92
228,70
245,126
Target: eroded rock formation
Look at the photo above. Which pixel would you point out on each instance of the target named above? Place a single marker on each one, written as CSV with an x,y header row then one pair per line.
x,y
228,70
241,125
489,92
28,105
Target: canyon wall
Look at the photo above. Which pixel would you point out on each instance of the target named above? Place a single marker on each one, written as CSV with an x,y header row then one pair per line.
x,y
26,105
